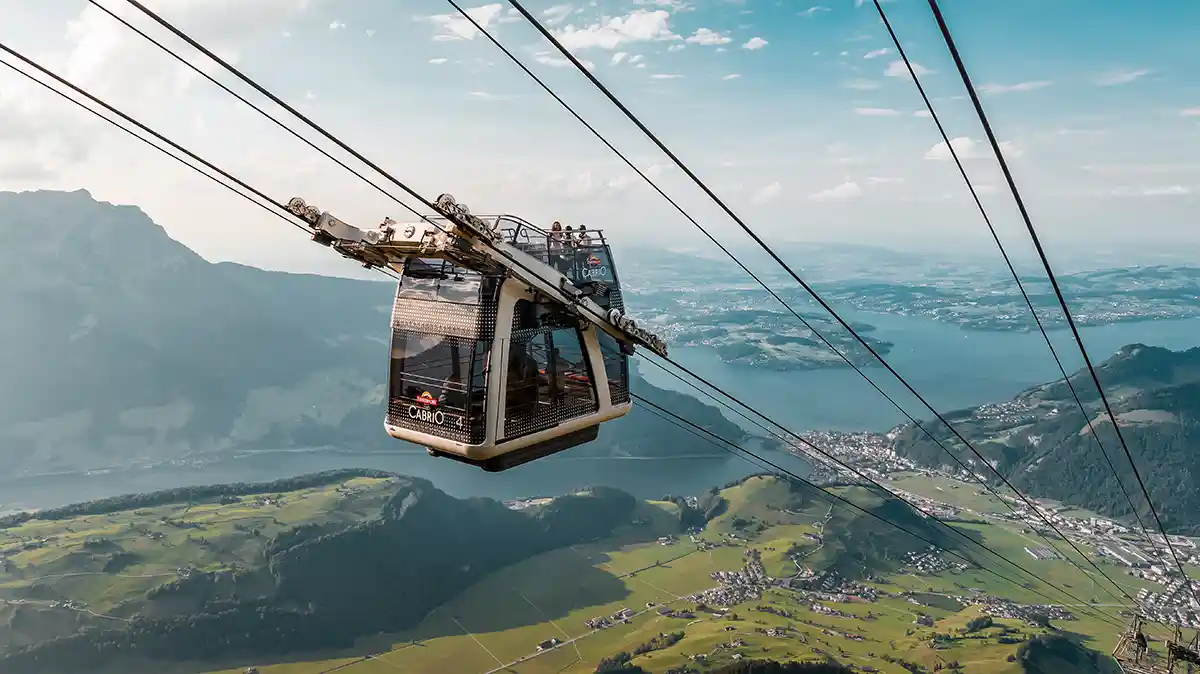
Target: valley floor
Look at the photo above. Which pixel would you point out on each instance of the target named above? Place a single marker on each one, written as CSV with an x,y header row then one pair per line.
x,y
535,617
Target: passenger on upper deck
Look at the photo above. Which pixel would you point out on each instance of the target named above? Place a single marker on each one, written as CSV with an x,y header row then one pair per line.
x,y
555,246
584,238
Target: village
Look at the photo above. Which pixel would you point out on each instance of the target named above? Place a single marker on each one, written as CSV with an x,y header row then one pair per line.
x,y
1140,554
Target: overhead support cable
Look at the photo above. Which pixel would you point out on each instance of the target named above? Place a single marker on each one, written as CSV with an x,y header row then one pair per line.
x,y
252,105
1004,253
1062,302
487,34
235,191
809,289
374,166
738,262
297,114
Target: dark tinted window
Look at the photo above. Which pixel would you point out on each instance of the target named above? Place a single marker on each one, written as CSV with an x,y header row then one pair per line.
x,y
549,380
441,281
438,385
594,264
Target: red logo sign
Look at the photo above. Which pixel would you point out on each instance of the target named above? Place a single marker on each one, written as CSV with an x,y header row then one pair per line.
x,y
426,399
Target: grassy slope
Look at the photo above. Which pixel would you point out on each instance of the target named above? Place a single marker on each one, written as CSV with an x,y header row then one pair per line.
x,y
501,619
157,542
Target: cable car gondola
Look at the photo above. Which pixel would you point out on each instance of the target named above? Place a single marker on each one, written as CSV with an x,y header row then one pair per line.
x,y
507,344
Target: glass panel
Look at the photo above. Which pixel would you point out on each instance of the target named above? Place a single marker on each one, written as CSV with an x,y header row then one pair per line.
x,y
437,280
462,287
428,384
592,263
571,380
526,390
616,367
549,380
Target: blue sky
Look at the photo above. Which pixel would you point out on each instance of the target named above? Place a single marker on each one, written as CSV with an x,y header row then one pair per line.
x,y
790,110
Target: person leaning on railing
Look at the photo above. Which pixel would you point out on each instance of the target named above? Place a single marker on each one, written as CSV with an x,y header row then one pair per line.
x,y
556,244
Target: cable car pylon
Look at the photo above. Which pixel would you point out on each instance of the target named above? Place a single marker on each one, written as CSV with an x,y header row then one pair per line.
x,y
509,342
1135,652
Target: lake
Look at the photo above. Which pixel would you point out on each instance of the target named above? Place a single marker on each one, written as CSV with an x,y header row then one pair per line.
x,y
951,367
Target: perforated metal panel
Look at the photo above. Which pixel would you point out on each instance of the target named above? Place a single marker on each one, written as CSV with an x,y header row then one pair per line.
x,y
445,318
615,300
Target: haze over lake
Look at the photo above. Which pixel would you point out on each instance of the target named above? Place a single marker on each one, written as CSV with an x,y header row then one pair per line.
x,y
953,368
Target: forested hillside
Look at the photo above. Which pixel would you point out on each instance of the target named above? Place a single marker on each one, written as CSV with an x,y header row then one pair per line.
x,y
1042,443
295,566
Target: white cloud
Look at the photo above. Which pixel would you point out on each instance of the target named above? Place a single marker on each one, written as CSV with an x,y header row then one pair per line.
x,y
457,27
370,32
336,25
38,139
1009,88
814,10
677,5
922,113
767,193
706,37
637,58
732,76
1141,169
898,69
438,61
108,58
577,187
618,57
638,26
883,180
1117,77
861,85
676,47
968,148
1166,191
41,137
1152,191
665,76
555,15
1190,112
555,61
847,190
876,112
877,53
755,43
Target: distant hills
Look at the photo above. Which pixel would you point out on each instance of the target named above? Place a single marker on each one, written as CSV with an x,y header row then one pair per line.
x,y
250,573
259,570
119,346
1041,442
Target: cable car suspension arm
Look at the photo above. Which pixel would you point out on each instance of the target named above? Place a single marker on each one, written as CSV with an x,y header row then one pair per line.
x,y
469,242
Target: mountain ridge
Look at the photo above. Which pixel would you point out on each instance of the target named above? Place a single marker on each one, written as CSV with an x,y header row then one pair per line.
x,y
142,351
